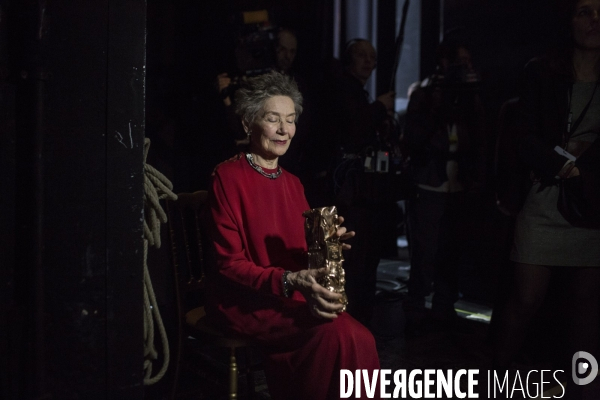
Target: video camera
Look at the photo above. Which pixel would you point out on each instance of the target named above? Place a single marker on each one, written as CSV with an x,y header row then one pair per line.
x,y
456,77
255,48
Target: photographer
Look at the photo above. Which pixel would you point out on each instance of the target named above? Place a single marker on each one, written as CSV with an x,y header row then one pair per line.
x,y
445,136
351,126
284,51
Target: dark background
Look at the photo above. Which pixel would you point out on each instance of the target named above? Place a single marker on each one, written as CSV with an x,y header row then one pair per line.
x,y
189,44
70,244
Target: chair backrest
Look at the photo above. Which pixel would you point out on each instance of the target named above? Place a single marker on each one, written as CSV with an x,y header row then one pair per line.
x,y
191,251
188,244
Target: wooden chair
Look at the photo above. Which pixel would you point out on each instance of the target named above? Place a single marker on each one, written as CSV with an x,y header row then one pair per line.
x,y
188,244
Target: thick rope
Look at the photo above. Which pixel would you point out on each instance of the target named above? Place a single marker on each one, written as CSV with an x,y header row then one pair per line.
x,y
156,187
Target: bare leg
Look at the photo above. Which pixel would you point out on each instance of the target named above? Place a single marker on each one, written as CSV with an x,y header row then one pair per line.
x,y
528,292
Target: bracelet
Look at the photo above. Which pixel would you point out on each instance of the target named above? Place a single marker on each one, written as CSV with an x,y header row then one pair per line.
x,y
287,291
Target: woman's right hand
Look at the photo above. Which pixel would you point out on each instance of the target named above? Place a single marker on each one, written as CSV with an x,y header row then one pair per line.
x,y
574,172
323,303
569,170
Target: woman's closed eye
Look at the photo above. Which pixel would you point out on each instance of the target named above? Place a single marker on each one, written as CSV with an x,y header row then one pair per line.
x,y
277,120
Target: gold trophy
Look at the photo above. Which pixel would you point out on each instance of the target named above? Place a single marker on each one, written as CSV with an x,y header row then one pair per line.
x,y
325,249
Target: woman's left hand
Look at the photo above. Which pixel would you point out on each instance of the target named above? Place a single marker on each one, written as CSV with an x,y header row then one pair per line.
x,y
322,302
343,235
574,172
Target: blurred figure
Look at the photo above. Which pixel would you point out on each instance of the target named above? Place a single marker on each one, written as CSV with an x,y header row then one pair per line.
x,y
352,120
357,115
445,136
557,128
285,54
285,50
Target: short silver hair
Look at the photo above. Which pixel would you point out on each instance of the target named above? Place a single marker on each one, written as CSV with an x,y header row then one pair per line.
x,y
250,98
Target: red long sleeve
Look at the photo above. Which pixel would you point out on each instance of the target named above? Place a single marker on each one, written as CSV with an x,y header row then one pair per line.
x,y
257,225
258,232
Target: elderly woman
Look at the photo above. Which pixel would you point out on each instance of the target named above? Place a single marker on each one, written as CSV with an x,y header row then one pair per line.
x,y
262,288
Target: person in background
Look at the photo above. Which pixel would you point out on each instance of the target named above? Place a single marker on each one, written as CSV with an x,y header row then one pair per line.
x,y
285,51
357,116
260,287
285,54
557,128
352,120
445,136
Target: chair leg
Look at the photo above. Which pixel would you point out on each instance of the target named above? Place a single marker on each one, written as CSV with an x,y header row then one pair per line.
x,y
249,375
233,375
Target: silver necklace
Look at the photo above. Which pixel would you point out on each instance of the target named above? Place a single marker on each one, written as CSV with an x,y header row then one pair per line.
x,y
259,169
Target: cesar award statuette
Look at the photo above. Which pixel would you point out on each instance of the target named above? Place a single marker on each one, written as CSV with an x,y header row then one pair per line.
x,y
325,249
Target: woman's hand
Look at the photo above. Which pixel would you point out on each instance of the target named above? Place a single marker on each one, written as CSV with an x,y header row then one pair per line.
x,y
574,172
223,82
343,235
322,302
569,170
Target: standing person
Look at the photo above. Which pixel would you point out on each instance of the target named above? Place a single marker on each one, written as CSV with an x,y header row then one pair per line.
x,y
352,120
261,287
559,110
357,117
445,136
285,51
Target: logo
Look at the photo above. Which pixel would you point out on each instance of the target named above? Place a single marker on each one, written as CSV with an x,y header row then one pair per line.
x,y
587,368
417,383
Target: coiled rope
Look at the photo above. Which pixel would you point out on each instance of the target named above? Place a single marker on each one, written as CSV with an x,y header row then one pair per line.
x,y
156,187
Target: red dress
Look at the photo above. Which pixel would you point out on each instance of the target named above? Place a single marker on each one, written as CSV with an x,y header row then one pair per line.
x,y
257,228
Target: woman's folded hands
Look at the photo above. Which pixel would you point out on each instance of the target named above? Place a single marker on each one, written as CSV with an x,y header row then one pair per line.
x,y
323,303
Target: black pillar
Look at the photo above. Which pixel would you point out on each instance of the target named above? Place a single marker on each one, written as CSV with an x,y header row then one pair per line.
x,y
79,70
386,47
430,35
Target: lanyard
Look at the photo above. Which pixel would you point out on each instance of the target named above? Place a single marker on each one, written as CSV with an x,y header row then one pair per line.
x,y
572,128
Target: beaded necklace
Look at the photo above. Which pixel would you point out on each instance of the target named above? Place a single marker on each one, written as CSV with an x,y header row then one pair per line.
x,y
259,169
